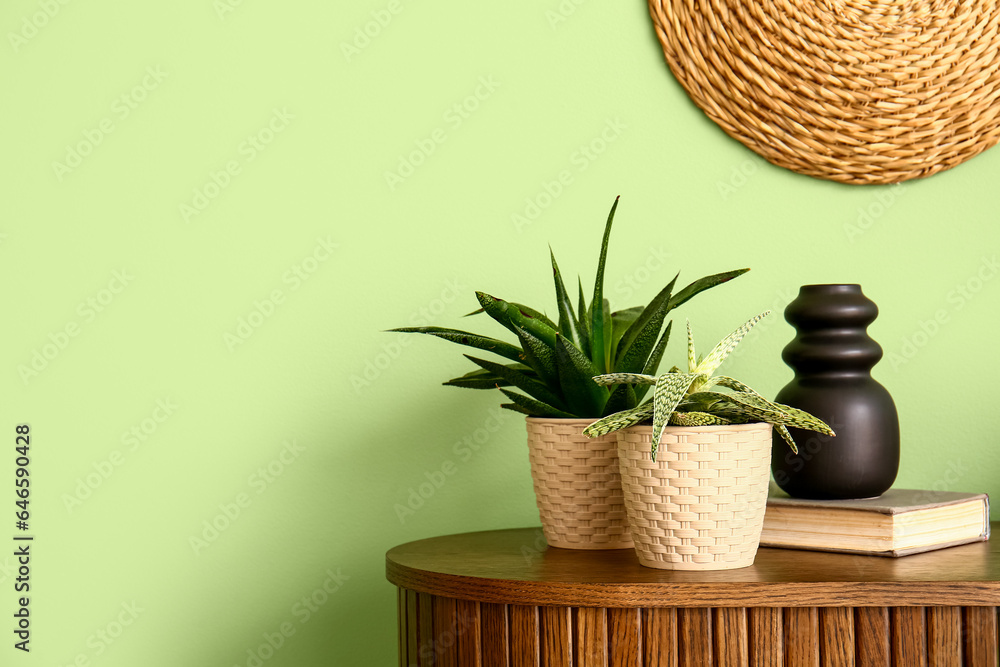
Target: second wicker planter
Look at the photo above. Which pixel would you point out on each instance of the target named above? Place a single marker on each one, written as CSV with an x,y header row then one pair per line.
x,y
701,505
577,486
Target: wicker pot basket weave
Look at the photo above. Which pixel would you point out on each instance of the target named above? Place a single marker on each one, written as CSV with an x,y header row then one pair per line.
x,y
855,91
701,505
577,485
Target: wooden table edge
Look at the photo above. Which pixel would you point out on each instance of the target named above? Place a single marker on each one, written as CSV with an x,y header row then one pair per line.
x,y
531,589
742,594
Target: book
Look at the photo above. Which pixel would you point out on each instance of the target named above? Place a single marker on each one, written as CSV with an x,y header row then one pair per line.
x,y
900,522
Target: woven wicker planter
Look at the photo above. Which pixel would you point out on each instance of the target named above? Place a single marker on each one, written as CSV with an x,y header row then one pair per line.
x,y
700,506
577,485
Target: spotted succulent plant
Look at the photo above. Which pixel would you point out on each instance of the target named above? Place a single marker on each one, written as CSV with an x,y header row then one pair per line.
x,y
700,398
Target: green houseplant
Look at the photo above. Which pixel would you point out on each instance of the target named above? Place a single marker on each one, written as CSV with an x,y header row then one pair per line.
x,y
701,505
548,376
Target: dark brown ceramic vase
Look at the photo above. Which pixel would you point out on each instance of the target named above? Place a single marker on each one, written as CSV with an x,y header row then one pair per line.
x,y
832,356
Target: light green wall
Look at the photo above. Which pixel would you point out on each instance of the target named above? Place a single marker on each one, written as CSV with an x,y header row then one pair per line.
x,y
364,409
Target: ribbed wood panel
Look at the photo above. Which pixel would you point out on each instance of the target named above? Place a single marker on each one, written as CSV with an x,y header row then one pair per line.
x,y
944,636
730,637
659,637
871,635
556,641
468,632
836,640
980,634
524,636
444,641
440,631
591,637
625,638
425,627
401,625
909,636
412,626
694,637
801,636
496,635
765,624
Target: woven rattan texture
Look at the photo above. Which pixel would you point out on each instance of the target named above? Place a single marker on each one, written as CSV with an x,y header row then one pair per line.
x,y
577,485
701,504
855,91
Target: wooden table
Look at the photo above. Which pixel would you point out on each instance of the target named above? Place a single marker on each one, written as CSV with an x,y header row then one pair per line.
x,y
504,599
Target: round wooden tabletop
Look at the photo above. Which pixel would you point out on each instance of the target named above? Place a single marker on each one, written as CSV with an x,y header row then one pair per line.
x,y
517,567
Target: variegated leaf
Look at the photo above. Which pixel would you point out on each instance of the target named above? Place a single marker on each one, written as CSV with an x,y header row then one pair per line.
x,y
756,405
719,353
624,378
792,416
619,420
701,401
780,428
692,357
697,419
802,419
732,383
796,417
667,393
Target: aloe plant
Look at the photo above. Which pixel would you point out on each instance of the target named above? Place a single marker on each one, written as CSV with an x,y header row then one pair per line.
x,y
700,398
553,362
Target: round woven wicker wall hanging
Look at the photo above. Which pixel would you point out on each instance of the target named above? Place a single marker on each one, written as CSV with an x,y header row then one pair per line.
x,y
855,91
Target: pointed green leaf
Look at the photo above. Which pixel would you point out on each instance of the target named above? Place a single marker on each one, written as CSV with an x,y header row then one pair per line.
x,y
701,285
512,316
539,356
637,353
655,311
568,325
500,347
727,345
514,407
598,334
584,321
478,379
621,322
619,420
668,392
522,381
608,335
576,380
528,311
653,362
622,398
534,407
